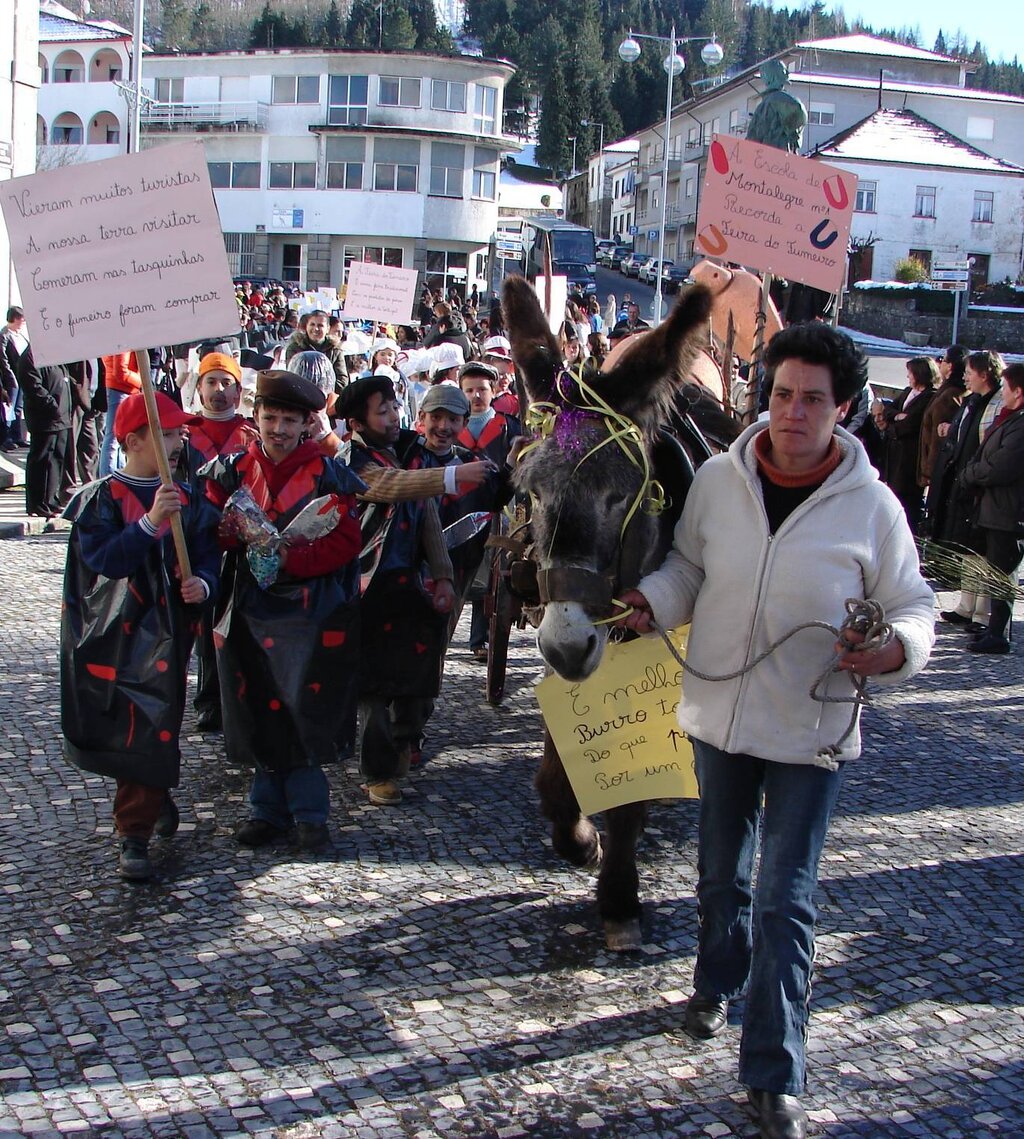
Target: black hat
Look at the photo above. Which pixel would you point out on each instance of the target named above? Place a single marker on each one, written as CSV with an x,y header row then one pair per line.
x,y
287,388
354,396
256,361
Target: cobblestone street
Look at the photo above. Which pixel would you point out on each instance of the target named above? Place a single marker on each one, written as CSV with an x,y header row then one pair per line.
x,y
438,972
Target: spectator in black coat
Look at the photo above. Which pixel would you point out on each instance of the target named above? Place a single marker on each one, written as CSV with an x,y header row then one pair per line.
x,y
47,395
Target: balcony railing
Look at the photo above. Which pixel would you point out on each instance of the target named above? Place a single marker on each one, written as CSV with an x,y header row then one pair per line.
x,y
205,116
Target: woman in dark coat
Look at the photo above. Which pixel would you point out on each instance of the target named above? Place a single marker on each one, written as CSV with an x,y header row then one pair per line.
x,y
941,410
904,418
997,471
954,510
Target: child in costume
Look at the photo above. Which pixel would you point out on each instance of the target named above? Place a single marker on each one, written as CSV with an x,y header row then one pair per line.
x,y
287,647
221,431
128,624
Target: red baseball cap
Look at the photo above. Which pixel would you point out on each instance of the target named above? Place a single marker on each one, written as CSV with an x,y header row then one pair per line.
x,y
131,415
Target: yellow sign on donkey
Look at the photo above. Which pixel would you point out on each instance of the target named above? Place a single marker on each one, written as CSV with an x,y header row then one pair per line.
x,y
617,732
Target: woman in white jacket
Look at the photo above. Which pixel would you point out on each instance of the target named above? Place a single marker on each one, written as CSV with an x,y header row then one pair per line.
x,y
780,530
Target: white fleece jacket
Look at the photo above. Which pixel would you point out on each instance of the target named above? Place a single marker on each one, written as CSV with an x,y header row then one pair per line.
x,y
744,589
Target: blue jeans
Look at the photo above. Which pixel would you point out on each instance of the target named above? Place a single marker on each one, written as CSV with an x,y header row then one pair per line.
x,y
761,943
301,795
108,447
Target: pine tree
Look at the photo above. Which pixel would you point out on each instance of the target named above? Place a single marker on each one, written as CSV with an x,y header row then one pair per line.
x,y
940,44
175,24
332,26
553,146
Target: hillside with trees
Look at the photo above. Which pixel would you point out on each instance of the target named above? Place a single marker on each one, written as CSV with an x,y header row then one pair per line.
x,y
569,73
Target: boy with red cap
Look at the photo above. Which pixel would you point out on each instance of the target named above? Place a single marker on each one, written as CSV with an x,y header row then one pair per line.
x,y
287,648
128,623
221,431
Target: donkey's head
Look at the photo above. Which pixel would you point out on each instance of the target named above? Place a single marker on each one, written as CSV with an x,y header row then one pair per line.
x,y
589,476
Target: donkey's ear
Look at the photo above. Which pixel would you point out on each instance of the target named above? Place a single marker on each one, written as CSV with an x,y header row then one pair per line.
x,y
534,348
653,363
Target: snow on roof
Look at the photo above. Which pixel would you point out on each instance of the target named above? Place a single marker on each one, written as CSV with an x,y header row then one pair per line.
x,y
874,45
58,29
903,137
945,90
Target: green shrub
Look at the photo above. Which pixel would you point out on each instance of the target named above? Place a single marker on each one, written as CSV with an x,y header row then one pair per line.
x,y
910,271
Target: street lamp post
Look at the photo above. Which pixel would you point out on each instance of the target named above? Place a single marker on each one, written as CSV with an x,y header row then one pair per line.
x,y
712,55
600,167
572,139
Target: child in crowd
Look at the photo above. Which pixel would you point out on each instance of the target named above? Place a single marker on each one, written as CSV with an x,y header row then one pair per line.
x,y
128,624
488,434
287,651
220,431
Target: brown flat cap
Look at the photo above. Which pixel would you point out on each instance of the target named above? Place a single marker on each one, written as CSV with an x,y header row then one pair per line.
x,y
287,388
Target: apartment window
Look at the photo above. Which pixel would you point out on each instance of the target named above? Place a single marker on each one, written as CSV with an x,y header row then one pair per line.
x,y
485,106
484,177
924,202
169,90
296,89
689,187
447,162
395,91
234,175
447,95
923,257
68,75
864,203
396,165
446,270
347,100
345,160
822,114
241,251
734,120
984,200
292,176
370,255
705,134
114,136
67,136
692,136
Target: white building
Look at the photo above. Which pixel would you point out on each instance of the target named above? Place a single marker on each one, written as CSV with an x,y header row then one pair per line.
x,y
925,194
841,82
319,158
19,86
82,112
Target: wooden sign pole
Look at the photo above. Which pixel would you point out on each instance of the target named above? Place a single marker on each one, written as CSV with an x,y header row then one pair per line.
x,y
163,466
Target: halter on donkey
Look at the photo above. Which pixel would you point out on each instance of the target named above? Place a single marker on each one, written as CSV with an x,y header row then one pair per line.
x,y
597,524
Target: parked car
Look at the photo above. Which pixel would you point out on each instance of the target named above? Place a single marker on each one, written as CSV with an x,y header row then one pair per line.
x,y
630,265
650,269
613,257
674,277
605,245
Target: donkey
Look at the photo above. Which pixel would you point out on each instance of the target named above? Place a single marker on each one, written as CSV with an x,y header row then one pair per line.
x,y
592,539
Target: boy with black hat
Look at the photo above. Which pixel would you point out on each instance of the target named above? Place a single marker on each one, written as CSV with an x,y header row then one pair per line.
x,y
127,626
287,649
221,431
403,618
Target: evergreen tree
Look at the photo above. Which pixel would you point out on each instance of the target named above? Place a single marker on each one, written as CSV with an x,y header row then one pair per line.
x,y
940,44
398,31
553,146
175,24
332,26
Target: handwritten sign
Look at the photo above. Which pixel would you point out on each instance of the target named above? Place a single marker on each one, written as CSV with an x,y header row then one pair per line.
x,y
767,209
617,732
379,292
120,254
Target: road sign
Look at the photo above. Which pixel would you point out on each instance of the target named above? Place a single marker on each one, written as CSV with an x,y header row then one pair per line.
x,y
962,265
633,231
951,286
515,248
951,274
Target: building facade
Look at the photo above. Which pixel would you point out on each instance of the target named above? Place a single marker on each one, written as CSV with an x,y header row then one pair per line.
x,y
841,82
322,158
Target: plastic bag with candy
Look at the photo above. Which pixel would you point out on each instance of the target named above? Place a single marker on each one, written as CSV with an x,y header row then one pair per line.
x,y
244,521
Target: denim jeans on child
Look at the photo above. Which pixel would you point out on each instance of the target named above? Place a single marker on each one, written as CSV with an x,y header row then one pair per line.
x,y
761,944
280,798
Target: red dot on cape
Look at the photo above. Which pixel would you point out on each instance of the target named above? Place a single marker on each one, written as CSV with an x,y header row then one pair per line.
x,y
275,705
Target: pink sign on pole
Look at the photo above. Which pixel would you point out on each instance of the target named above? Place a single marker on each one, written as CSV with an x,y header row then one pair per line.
x,y
770,210
121,254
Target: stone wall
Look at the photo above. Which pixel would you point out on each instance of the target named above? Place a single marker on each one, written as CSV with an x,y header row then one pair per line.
x,y
895,316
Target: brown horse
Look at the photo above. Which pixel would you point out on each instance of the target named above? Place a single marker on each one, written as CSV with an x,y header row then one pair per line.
x,y
593,538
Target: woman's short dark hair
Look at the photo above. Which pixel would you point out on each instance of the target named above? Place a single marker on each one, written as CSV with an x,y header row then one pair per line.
x,y
1013,374
956,357
924,371
818,343
987,364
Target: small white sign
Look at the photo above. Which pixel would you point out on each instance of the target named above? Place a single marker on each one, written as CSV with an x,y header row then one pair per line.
x,y
379,292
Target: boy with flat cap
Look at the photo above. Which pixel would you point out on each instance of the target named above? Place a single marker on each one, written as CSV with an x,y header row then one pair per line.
x,y
287,651
128,623
220,431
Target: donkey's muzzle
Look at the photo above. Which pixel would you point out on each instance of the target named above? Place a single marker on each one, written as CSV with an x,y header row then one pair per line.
x,y
572,583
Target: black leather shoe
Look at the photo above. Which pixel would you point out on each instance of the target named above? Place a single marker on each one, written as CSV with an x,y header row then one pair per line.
x,y
168,819
779,1116
976,628
705,1016
951,617
989,643
208,722
312,836
257,832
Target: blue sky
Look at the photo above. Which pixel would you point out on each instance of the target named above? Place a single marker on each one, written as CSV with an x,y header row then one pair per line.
x,y
991,21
